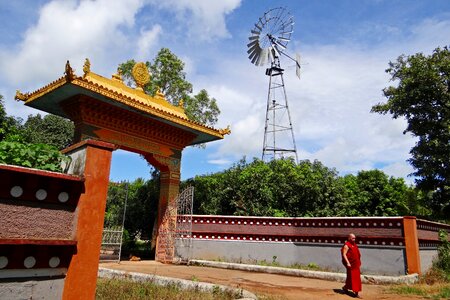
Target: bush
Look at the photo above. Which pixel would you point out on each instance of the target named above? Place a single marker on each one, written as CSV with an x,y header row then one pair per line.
x,y
39,156
443,260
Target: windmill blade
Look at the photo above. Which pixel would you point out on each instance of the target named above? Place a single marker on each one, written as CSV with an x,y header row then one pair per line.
x,y
262,57
297,65
259,60
255,58
253,37
251,44
252,55
255,32
255,47
284,39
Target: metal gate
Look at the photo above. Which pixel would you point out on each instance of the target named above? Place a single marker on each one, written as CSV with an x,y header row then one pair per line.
x,y
175,239
111,248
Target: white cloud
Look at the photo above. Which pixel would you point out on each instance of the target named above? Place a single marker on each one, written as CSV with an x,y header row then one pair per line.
x,y
204,19
147,40
219,161
69,30
399,169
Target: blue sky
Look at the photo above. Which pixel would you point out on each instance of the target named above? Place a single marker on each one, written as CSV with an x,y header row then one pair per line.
x,y
345,48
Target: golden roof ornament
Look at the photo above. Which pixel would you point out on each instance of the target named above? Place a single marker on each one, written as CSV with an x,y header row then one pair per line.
x,y
20,97
118,75
86,67
225,130
140,75
69,72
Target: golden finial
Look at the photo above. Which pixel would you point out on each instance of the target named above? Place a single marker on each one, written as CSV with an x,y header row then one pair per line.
x,y
181,103
69,72
86,67
118,75
20,97
140,75
159,93
225,131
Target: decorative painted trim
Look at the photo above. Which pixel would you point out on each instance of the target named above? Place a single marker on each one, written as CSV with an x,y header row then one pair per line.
x,y
31,256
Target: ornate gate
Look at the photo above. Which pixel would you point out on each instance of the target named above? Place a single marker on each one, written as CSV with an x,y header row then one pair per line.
x,y
178,233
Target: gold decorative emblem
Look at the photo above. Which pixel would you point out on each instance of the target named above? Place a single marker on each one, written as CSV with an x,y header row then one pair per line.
x,y
225,131
140,75
86,67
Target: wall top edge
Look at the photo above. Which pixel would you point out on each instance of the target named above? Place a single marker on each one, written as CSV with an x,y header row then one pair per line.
x,y
31,171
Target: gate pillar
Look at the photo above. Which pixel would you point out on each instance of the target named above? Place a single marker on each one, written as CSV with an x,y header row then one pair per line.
x,y
169,168
92,160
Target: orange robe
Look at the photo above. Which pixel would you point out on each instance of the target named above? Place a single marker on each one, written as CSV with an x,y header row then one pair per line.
x,y
353,281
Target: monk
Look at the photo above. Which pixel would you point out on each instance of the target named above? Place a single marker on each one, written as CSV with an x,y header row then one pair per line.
x,y
351,258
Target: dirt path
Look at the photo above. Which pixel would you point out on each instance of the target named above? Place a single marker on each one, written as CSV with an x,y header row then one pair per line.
x,y
261,284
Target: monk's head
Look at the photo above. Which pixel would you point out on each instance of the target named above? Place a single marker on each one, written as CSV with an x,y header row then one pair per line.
x,y
351,238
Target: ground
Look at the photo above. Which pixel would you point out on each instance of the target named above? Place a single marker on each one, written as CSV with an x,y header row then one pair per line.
x,y
262,284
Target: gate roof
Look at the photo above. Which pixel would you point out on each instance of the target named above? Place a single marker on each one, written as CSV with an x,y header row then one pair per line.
x,y
114,92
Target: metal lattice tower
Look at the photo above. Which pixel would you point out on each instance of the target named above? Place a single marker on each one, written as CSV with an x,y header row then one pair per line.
x,y
279,139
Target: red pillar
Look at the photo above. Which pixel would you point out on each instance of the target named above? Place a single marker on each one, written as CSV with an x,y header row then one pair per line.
x,y
169,168
411,245
81,279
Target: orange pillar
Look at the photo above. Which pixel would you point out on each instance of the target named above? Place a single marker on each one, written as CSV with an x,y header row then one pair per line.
x,y
411,245
81,279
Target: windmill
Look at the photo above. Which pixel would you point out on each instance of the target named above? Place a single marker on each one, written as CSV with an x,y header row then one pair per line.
x,y
268,41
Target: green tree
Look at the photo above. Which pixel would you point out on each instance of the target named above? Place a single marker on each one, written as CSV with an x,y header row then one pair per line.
x,y
373,193
10,127
422,96
276,188
168,76
50,129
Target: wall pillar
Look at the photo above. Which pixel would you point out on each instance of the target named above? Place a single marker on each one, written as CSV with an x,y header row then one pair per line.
x,y
411,245
91,159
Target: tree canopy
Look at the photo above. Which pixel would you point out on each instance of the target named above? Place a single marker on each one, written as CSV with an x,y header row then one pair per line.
x,y
50,129
283,188
9,126
422,97
168,75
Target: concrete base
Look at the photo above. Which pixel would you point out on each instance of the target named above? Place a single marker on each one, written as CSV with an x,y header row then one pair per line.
x,y
426,259
32,288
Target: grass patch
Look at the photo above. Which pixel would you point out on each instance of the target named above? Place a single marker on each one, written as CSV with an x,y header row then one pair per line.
x,y
309,267
129,290
435,291
435,284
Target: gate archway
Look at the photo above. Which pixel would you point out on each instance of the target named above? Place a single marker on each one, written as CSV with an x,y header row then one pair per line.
x,y
107,110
